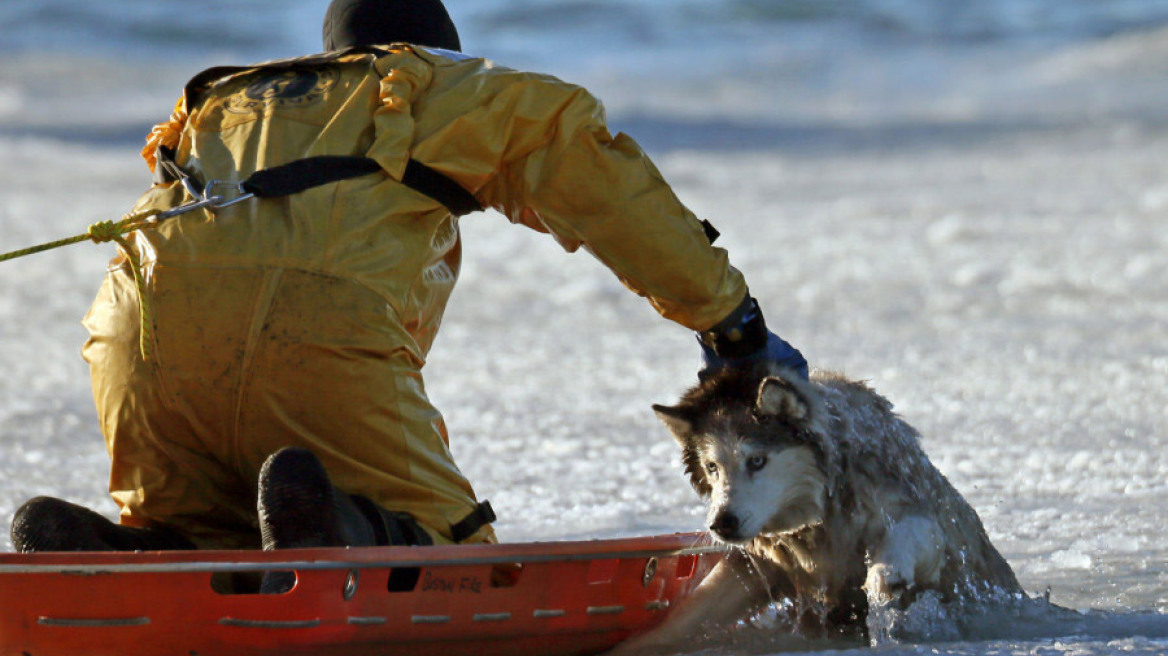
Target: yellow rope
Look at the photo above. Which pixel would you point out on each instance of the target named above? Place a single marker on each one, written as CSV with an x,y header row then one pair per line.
x,y
115,231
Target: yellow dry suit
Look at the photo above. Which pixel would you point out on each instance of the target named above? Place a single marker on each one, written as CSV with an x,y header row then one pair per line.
x,y
305,320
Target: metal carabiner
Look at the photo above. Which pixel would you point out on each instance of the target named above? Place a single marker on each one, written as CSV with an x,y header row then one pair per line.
x,y
207,200
208,203
219,202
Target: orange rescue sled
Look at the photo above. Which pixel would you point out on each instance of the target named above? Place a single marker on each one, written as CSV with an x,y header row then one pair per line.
x,y
549,598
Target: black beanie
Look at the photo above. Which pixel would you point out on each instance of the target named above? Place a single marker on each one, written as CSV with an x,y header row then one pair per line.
x,y
380,22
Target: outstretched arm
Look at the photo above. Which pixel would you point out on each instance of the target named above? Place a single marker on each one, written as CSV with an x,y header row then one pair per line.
x,y
539,150
588,188
562,172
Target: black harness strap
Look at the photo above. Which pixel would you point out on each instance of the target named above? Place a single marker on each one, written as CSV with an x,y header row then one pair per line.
x,y
303,174
428,182
482,515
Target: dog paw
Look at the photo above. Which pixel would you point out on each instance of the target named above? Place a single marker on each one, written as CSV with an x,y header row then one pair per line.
x,y
887,583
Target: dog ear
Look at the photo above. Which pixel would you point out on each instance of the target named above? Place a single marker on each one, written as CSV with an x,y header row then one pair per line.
x,y
780,398
680,421
677,419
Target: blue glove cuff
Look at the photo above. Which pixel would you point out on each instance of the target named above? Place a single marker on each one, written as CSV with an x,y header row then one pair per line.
x,y
740,334
742,339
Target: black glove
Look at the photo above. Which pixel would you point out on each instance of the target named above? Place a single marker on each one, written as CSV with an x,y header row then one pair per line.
x,y
742,339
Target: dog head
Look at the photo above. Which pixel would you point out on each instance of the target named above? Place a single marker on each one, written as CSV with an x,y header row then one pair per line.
x,y
754,445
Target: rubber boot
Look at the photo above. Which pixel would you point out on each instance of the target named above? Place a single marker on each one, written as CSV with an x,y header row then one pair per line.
x,y
300,508
48,524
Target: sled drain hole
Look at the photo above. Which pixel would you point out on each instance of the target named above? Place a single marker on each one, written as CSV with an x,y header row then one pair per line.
x,y
399,580
239,583
403,579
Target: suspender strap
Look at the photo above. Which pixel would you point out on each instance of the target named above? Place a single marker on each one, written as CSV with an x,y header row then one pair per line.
x,y
482,515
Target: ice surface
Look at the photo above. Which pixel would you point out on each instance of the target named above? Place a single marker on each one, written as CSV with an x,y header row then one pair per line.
x,y
980,230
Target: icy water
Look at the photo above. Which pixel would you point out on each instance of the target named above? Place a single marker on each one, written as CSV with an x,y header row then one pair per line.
x,y
964,203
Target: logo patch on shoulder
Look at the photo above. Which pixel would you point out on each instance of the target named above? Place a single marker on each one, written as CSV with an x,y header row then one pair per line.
x,y
290,88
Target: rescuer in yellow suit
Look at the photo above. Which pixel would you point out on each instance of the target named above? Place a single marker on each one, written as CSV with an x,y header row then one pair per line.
x,y
304,320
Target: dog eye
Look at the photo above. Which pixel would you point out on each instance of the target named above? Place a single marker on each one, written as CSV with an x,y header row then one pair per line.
x,y
712,467
755,463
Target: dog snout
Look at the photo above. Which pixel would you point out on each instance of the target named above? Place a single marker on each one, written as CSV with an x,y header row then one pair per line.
x,y
725,525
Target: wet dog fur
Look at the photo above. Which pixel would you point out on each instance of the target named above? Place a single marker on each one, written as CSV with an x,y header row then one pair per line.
x,y
831,499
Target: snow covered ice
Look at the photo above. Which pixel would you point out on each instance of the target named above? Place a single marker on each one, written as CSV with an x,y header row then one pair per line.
x,y
974,219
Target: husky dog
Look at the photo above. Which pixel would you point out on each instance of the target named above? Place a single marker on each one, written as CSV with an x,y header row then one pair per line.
x,y
831,498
